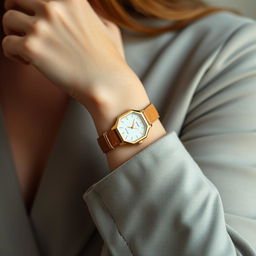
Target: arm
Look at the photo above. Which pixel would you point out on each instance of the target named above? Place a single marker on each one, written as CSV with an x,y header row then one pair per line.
x,y
193,194
104,113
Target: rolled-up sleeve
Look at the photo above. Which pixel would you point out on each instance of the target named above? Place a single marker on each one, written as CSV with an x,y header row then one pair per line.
x,y
193,193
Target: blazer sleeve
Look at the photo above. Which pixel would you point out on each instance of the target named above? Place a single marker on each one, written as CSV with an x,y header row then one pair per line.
x,y
192,194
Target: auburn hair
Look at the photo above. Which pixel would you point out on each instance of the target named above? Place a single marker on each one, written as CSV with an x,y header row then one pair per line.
x,y
125,13
128,13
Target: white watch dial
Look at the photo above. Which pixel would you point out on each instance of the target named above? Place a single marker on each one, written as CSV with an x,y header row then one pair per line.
x,y
132,127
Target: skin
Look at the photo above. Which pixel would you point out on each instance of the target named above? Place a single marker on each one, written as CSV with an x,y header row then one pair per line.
x,y
53,37
33,109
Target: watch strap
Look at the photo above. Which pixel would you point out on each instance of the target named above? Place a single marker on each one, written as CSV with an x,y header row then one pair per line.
x,y
110,139
151,113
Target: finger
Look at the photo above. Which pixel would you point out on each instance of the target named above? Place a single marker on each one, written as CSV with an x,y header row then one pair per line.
x,y
12,48
18,59
16,22
26,6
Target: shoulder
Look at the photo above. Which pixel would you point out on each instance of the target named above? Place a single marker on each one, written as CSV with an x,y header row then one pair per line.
x,y
217,27
213,31
187,57
216,42
226,41
200,39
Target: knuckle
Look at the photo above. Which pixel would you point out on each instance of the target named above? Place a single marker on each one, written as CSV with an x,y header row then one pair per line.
x,y
51,9
38,27
29,45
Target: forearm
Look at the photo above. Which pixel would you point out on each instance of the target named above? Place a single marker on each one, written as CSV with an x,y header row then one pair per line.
x,y
105,108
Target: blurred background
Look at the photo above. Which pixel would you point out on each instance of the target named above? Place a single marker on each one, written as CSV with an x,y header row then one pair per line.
x,y
247,7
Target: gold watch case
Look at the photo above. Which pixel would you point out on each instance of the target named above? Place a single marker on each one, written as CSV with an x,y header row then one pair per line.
x,y
147,125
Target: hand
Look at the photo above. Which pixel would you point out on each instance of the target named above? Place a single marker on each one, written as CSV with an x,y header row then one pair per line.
x,y
66,41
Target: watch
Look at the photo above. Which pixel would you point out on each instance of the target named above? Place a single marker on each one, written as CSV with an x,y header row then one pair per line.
x,y
131,127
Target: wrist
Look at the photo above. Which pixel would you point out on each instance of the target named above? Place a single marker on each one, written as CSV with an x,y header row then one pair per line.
x,y
106,112
105,106
106,120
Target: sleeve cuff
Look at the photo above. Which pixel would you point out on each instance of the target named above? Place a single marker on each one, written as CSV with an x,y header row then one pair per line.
x,y
115,185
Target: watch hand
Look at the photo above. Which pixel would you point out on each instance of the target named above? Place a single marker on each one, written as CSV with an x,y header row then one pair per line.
x,y
133,123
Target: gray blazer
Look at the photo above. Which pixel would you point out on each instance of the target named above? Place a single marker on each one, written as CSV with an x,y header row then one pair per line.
x,y
190,193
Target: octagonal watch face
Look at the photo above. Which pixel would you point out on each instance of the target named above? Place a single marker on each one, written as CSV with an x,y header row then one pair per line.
x,y
132,127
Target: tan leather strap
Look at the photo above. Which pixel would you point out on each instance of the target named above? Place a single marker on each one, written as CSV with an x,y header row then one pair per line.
x,y
110,139
151,113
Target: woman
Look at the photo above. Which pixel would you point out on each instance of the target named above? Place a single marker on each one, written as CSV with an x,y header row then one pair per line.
x,y
67,74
